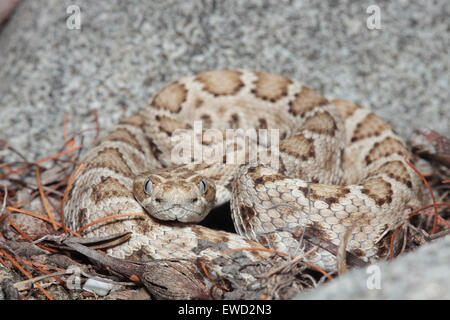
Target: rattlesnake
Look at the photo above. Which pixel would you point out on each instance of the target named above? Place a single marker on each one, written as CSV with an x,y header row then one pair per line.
x,y
341,170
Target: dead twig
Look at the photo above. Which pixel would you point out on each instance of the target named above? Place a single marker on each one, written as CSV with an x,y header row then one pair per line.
x,y
165,279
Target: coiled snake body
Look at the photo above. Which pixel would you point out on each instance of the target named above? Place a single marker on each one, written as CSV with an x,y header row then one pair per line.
x,y
341,170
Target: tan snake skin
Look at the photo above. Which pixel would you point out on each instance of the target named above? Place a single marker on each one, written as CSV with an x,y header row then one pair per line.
x,y
341,169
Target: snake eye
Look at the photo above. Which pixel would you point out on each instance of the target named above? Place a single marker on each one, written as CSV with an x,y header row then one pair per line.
x,y
148,187
203,186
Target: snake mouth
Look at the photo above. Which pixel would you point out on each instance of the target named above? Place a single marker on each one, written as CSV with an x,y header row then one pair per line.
x,y
177,212
174,212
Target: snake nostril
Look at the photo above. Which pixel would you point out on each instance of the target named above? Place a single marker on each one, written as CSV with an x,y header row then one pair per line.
x,y
194,200
158,200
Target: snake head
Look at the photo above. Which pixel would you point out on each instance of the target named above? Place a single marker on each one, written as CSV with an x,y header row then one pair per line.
x,y
183,196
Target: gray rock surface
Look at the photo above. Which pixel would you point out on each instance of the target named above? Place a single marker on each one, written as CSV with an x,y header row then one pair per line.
x,y
423,274
126,50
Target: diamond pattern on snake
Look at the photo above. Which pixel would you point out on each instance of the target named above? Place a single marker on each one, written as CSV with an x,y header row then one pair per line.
x,y
339,170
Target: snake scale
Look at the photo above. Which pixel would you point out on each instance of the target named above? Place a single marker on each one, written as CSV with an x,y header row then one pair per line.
x,y
340,170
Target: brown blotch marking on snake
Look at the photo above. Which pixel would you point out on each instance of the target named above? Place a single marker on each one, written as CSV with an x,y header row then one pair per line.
x,y
198,103
199,166
254,171
395,170
136,121
385,148
371,126
171,97
262,123
306,100
358,252
201,233
169,125
156,152
80,218
379,190
326,193
224,239
159,176
139,162
235,147
122,135
109,188
268,239
188,175
215,177
341,155
234,121
125,136
246,211
299,147
271,87
321,123
247,214
221,82
314,229
315,179
212,137
110,158
198,231
282,167
263,240
251,170
267,178
346,108
206,121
